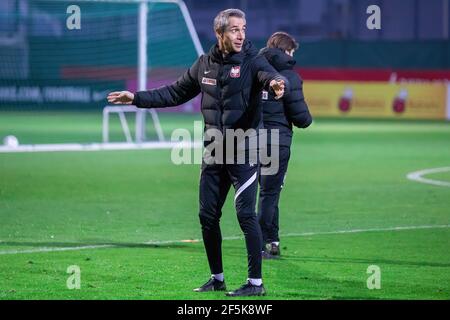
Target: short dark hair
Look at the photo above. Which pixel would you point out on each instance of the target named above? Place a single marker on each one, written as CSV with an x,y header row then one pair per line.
x,y
282,40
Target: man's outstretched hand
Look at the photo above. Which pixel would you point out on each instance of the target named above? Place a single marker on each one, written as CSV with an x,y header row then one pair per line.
x,y
120,97
278,87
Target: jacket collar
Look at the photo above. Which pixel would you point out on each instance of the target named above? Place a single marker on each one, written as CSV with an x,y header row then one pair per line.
x,y
232,58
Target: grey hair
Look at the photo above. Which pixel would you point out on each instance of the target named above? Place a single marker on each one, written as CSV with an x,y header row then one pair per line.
x,y
221,21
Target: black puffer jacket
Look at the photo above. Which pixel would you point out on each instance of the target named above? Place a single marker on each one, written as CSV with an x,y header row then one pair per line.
x,y
291,109
231,88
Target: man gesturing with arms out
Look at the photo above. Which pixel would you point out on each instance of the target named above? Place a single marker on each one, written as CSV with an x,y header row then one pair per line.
x,y
230,77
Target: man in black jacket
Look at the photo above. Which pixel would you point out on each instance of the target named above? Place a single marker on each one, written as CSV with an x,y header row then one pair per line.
x,y
230,78
279,114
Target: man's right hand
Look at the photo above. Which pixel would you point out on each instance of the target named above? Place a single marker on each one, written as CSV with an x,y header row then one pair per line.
x,y
278,88
120,97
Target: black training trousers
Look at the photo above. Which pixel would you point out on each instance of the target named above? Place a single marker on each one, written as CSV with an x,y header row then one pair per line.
x,y
215,182
269,196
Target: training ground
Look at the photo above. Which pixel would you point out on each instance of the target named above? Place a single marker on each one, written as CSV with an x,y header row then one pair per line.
x,y
129,218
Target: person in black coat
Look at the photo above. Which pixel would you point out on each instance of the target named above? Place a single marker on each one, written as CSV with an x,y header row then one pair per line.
x,y
230,78
281,115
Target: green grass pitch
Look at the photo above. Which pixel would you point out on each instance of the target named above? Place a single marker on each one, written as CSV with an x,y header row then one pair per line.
x,y
135,207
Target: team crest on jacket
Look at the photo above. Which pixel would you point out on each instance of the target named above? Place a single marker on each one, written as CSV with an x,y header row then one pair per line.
x,y
235,72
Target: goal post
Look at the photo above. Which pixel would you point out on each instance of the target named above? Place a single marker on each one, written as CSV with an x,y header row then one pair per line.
x,y
121,111
142,72
143,61
65,56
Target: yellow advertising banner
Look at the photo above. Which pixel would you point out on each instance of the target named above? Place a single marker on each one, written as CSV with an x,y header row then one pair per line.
x,y
376,100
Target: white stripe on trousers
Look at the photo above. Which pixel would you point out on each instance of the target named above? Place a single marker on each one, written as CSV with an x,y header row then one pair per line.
x,y
245,185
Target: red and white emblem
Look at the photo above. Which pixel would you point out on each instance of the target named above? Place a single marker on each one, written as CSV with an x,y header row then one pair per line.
x,y
235,72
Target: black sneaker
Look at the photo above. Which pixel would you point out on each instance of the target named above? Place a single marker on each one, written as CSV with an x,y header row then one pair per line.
x,y
275,249
212,285
248,289
271,251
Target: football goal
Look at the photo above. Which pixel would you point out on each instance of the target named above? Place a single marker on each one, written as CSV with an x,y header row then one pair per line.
x,y
67,55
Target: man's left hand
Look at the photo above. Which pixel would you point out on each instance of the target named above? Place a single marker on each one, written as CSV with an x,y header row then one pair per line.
x,y
278,87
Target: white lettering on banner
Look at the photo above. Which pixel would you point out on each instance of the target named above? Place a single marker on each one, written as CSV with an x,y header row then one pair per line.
x,y
8,94
32,94
36,94
67,94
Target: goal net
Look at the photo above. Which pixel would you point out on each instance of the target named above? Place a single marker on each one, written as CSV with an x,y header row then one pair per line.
x,y
59,55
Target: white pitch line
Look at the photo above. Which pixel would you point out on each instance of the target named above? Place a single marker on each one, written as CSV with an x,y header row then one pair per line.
x,y
304,234
367,230
65,147
418,176
46,249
